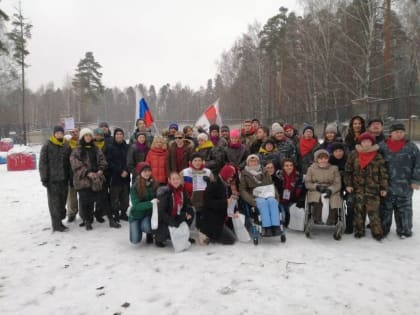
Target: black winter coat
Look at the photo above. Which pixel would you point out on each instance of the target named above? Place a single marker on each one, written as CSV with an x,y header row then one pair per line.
x,y
215,208
165,205
117,162
54,163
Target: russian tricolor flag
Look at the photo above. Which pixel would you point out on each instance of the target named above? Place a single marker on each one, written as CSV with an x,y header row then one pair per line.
x,y
145,113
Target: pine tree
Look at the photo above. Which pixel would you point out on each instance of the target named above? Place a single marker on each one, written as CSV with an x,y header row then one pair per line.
x,y
19,36
3,17
88,85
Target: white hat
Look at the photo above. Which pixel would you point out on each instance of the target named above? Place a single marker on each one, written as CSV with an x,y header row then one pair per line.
x,y
85,131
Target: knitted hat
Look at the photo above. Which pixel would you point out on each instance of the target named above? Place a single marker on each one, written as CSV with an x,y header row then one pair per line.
x,y
195,155
308,127
214,127
98,132
58,129
234,133
276,128
288,127
375,119
252,157
397,126
141,166
203,136
337,146
118,130
227,172
103,124
331,128
267,142
173,126
366,135
225,128
84,132
320,152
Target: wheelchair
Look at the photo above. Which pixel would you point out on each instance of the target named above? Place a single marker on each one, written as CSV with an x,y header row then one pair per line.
x,y
309,223
253,223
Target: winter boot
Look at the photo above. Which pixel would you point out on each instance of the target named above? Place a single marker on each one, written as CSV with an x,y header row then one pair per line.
x,y
317,212
88,226
123,216
149,238
275,230
100,219
160,244
71,218
113,224
332,217
203,239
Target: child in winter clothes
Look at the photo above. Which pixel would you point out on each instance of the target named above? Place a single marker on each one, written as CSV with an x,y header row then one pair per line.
x,y
323,178
268,152
142,193
366,176
403,161
173,208
254,176
195,184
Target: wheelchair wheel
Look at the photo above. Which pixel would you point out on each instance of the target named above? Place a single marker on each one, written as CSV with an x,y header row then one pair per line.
x,y
283,238
338,231
255,241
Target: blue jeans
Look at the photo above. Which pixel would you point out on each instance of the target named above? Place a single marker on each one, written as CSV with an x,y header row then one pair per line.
x,y
269,211
137,228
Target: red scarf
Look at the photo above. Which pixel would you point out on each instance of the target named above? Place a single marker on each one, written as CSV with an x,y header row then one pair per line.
x,y
307,145
177,198
395,146
366,157
179,159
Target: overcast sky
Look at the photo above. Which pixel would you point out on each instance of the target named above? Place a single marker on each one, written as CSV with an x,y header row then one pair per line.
x,y
136,41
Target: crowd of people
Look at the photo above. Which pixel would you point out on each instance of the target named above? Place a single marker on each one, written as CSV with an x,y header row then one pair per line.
x,y
206,178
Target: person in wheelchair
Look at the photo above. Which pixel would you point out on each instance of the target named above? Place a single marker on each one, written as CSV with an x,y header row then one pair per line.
x,y
323,178
289,185
257,189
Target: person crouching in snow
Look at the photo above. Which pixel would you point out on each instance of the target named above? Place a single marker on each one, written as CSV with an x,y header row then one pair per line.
x,y
212,226
323,178
174,207
265,198
142,193
365,174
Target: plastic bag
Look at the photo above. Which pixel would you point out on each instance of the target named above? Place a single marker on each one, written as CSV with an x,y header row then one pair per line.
x,y
180,237
154,219
240,230
265,191
297,218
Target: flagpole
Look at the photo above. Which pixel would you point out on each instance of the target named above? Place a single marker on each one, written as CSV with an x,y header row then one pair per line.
x,y
157,132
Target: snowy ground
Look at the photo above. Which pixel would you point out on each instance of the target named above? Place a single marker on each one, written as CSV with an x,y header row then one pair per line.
x,y
96,272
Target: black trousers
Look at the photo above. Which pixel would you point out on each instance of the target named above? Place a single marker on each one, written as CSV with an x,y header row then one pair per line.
x,y
57,199
87,198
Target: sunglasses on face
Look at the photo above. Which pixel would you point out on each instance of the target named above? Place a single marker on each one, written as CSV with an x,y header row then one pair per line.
x,y
178,138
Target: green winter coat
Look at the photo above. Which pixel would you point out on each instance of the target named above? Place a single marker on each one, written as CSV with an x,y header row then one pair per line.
x,y
372,179
140,207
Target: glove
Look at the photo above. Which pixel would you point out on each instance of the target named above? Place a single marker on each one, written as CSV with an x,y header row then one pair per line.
x,y
328,193
321,188
300,203
45,183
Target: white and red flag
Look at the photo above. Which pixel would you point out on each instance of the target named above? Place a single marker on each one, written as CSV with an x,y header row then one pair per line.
x,y
210,116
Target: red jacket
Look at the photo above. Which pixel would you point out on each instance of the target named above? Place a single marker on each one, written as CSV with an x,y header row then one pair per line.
x,y
157,160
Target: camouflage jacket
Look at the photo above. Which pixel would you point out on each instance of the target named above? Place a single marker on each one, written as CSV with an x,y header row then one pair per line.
x,y
370,180
403,167
286,149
